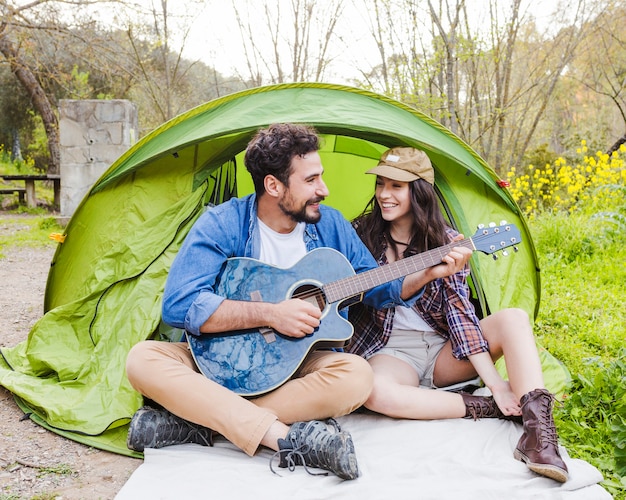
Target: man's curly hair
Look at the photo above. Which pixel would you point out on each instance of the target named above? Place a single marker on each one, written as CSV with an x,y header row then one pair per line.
x,y
271,150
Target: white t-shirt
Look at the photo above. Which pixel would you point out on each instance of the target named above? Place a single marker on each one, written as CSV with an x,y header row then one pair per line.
x,y
406,318
282,250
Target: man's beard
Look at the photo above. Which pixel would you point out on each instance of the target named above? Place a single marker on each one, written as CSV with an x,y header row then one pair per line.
x,y
301,215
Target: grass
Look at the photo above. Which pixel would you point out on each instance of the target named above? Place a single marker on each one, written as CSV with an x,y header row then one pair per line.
x,y
583,272
582,322
60,469
31,231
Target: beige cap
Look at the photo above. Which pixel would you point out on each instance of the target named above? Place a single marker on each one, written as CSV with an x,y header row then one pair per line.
x,y
404,164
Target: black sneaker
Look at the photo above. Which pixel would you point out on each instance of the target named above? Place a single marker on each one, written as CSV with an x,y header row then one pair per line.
x,y
316,444
152,428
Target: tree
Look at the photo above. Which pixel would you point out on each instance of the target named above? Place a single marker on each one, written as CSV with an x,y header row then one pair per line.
x,y
15,112
488,79
300,40
161,74
409,65
45,42
449,38
12,18
74,49
600,69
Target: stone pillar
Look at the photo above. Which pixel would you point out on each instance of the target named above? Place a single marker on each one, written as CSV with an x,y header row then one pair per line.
x,y
93,134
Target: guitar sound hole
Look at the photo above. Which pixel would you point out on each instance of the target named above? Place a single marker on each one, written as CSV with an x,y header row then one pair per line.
x,y
311,294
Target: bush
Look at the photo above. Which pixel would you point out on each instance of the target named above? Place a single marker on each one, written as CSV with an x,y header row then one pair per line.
x,y
577,217
592,182
592,419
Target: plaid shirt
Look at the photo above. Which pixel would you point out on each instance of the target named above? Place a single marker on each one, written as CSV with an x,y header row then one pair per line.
x,y
445,306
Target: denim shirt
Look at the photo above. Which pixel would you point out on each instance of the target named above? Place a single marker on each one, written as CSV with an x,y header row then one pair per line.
x,y
231,230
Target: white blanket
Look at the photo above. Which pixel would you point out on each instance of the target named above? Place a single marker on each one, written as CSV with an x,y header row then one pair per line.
x,y
398,459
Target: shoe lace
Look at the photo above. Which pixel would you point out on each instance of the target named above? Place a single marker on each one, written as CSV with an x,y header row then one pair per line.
x,y
201,436
548,430
182,431
483,408
294,458
302,451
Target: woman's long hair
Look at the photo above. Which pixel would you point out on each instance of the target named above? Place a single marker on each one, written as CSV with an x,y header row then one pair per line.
x,y
429,225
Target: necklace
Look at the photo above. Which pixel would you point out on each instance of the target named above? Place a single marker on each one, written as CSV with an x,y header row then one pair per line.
x,y
398,242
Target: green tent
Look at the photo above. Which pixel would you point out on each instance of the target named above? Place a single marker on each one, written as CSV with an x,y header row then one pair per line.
x,y
105,284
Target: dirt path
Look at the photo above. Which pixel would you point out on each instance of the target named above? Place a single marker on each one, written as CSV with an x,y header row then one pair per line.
x,y
34,461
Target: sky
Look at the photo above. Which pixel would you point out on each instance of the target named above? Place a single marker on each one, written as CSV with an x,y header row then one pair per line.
x,y
215,37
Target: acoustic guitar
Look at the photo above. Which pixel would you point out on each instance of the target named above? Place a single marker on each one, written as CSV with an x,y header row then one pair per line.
x,y
256,361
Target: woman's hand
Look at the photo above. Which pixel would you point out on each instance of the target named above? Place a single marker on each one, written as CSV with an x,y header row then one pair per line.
x,y
505,399
453,262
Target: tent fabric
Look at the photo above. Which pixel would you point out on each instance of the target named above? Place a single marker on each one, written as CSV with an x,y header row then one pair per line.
x,y
105,284
70,370
357,126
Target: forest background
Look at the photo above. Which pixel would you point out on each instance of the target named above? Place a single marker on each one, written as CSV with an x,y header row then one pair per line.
x,y
522,82
537,88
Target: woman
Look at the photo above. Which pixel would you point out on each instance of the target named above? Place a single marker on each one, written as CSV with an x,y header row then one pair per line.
x,y
440,341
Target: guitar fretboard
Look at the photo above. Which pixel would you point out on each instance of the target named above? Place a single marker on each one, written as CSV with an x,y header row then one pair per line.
x,y
359,283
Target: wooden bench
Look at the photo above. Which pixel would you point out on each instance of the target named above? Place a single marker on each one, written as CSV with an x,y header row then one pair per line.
x,y
19,190
29,186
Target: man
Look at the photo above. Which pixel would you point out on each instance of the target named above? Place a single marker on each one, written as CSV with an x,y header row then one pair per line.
x,y
278,225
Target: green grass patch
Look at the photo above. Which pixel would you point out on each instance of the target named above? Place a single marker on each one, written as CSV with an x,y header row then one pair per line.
x,y
27,231
582,322
9,166
60,469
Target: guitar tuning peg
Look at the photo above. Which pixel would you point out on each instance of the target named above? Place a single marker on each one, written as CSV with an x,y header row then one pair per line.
x,y
505,253
495,257
492,224
515,249
503,222
480,226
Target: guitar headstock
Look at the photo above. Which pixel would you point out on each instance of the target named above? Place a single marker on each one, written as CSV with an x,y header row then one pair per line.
x,y
492,238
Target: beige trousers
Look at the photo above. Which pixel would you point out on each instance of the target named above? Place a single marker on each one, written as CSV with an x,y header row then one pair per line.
x,y
328,384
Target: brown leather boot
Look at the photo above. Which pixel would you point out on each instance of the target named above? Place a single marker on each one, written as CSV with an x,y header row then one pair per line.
x,y
538,447
484,407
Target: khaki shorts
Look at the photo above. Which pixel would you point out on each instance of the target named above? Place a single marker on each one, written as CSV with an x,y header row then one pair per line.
x,y
418,349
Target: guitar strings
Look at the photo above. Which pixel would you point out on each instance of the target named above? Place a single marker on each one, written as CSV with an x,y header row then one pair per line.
x,y
315,292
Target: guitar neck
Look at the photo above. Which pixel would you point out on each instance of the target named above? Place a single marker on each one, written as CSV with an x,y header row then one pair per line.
x,y
359,283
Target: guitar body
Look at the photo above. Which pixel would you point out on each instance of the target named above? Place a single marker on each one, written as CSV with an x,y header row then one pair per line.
x,y
253,362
